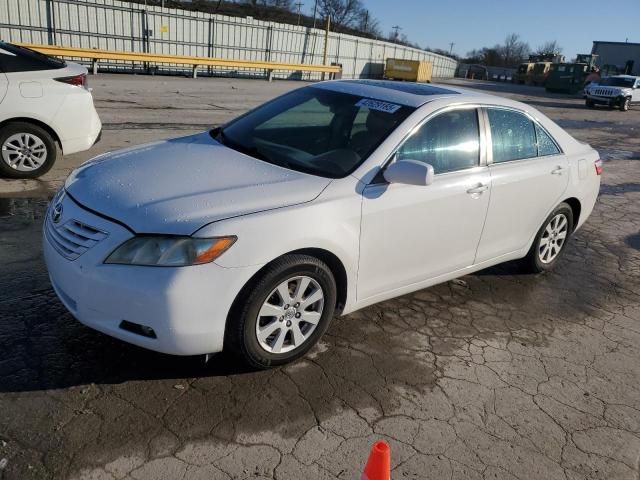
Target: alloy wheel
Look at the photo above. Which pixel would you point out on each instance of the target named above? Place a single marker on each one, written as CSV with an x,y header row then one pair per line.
x,y
553,238
24,152
290,315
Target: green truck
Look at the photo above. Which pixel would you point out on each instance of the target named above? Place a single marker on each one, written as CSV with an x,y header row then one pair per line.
x,y
570,77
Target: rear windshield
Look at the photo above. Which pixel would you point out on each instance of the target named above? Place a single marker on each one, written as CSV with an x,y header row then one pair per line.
x,y
617,82
20,59
315,131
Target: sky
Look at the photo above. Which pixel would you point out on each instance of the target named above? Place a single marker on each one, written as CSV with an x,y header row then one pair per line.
x,y
475,24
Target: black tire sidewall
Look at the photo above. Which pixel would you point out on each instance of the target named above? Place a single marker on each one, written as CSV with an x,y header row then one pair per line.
x,y
23,127
534,259
244,339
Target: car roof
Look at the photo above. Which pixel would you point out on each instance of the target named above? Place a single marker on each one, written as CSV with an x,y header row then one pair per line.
x,y
404,93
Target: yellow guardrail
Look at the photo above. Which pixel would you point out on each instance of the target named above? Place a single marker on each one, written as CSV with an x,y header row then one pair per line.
x,y
95,55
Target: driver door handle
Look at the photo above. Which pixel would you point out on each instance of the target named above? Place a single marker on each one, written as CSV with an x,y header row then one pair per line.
x,y
478,189
557,171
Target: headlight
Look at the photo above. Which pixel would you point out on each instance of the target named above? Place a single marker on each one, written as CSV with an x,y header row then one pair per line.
x,y
170,251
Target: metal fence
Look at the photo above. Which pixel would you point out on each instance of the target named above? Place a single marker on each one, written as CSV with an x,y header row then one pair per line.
x,y
116,25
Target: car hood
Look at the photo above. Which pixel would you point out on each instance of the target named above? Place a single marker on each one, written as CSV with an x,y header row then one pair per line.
x,y
177,186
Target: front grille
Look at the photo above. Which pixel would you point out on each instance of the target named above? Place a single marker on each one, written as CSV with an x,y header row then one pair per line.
x,y
604,92
72,238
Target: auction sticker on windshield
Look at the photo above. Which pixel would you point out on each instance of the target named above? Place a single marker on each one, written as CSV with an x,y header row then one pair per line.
x,y
378,105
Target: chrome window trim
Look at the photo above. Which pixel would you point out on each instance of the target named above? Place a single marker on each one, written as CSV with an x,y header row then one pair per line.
x,y
483,147
535,122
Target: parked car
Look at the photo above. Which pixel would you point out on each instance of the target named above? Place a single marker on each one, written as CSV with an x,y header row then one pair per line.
x,y
620,91
45,106
325,200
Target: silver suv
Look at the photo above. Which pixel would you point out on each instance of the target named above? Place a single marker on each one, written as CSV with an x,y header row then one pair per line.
x,y
617,91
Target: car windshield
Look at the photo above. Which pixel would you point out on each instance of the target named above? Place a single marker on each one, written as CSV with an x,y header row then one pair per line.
x,y
617,82
315,131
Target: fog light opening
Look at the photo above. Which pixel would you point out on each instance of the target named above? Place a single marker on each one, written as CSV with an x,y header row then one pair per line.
x,y
138,329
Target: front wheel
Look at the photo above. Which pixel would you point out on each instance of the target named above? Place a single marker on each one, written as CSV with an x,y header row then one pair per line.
x,y
280,316
550,240
26,150
590,104
625,103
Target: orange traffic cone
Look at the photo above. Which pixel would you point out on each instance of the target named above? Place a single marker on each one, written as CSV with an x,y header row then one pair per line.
x,y
378,465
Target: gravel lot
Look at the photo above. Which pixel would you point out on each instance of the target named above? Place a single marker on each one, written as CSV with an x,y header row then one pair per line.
x,y
498,375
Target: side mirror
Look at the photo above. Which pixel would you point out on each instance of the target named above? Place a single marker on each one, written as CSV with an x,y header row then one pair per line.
x,y
410,172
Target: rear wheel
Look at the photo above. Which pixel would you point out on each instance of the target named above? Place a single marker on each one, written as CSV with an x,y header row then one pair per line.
x,y
550,240
625,104
26,150
278,318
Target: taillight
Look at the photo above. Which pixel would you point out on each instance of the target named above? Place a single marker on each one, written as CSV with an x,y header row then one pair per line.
x,y
598,165
76,80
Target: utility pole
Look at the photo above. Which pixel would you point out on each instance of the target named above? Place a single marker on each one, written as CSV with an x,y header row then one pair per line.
x,y
396,29
451,47
326,43
315,9
299,5
366,20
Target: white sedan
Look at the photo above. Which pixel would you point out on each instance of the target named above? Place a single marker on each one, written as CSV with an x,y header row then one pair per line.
x,y
45,106
330,198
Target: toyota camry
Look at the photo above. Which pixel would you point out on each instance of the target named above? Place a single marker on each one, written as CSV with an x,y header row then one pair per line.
x,y
252,236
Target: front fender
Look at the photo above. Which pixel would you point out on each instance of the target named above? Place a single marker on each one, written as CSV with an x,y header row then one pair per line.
x,y
331,222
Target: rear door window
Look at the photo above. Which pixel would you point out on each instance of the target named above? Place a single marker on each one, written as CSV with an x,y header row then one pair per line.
x,y
513,135
14,58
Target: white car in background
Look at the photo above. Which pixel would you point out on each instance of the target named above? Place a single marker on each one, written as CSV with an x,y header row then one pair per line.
x,y
328,199
618,90
44,104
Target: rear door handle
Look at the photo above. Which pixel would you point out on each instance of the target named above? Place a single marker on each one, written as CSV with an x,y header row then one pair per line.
x,y
557,171
478,189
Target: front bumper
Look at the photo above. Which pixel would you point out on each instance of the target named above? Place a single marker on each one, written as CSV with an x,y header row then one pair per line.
x,y
186,307
611,101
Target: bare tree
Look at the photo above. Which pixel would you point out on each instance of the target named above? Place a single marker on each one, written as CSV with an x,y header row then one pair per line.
x,y
514,50
344,13
367,23
283,4
549,48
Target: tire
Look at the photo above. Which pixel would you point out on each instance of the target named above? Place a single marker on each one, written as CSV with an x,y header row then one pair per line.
x,y
40,146
625,104
261,296
540,259
590,104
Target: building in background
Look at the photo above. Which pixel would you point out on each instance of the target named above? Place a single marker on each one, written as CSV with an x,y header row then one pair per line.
x,y
623,55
